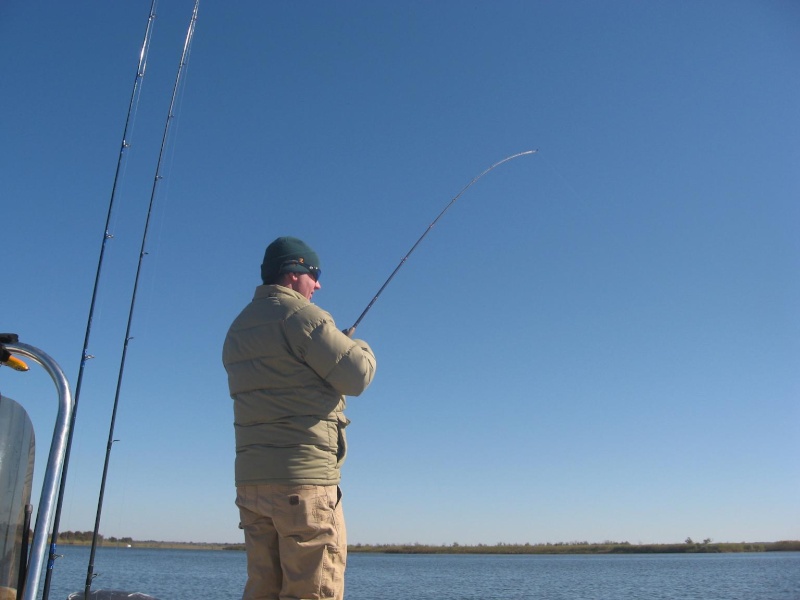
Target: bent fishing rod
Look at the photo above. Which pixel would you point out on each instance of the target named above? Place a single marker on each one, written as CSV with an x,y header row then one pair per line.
x,y
85,356
352,329
142,253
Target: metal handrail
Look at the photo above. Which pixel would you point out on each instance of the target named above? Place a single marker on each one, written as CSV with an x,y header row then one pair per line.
x,y
55,463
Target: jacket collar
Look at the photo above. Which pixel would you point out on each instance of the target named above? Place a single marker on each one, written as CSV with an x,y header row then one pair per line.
x,y
266,291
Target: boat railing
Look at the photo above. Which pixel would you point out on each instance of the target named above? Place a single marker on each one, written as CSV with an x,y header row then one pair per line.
x,y
55,464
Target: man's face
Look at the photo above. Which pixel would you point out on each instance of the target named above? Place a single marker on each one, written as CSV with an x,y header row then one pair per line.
x,y
305,284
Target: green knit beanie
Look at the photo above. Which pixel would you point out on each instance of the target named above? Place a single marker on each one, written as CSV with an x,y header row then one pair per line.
x,y
289,255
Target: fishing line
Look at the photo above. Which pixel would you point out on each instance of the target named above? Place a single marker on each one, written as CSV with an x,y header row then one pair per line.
x,y
446,208
85,356
142,253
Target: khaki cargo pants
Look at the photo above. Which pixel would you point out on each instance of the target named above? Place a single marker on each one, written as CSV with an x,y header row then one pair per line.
x,y
296,541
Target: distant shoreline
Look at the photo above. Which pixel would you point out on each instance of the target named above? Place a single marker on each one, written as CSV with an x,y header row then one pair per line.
x,y
687,547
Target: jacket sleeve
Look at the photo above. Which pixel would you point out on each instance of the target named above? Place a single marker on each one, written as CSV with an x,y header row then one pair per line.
x,y
345,364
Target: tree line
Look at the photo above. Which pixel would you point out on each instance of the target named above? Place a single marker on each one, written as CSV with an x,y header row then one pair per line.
x,y
85,537
574,547
609,547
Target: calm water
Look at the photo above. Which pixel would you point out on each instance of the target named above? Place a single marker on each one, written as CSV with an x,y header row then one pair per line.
x,y
207,575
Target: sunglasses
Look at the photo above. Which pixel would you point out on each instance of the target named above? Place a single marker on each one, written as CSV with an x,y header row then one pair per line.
x,y
313,272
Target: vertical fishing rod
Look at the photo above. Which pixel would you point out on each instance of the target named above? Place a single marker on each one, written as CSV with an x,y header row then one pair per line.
x,y
446,208
135,95
170,115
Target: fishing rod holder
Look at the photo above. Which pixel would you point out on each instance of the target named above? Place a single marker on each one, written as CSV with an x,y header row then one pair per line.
x,y
55,464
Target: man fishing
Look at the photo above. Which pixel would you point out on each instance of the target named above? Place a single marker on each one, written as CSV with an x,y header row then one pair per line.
x,y
289,368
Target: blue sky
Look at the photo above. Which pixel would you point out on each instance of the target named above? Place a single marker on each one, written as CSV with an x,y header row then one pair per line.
x,y
597,342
